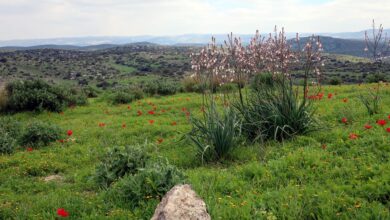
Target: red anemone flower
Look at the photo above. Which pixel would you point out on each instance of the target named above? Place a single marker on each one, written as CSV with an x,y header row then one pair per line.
x,y
29,149
344,120
353,136
173,123
129,107
367,126
388,130
345,100
123,125
139,113
151,122
381,122
62,212
330,95
70,132
151,112
160,140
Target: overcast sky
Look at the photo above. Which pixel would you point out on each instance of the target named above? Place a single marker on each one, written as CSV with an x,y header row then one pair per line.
x,y
27,19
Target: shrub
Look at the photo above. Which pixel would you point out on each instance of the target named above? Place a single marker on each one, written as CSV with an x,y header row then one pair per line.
x,y
37,95
376,77
335,80
216,134
73,96
191,85
118,162
126,95
154,181
91,92
7,143
276,113
160,87
263,81
39,134
10,126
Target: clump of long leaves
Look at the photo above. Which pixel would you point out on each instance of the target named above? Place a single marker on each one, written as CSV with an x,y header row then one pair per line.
x,y
216,134
276,113
371,101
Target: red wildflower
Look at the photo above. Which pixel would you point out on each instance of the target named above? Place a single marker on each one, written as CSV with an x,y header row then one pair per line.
x,y
62,212
183,109
123,125
345,100
29,149
388,117
173,123
353,136
129,107
320,95
367,126
101,124
151,122
381,122
388,130
139,113
160,140
61,141
70,132
330,95
151,112
344,120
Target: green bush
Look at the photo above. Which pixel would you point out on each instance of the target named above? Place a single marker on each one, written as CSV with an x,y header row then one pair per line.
x,y
7,143
263,81
216,134
10,126
37,95
74,96
335,80
152,182
118,162
126,95
91,92
375,78
161,87
39,134
275,113
191,85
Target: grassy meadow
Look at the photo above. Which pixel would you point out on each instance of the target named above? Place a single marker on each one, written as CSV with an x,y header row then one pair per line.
x,y
327,174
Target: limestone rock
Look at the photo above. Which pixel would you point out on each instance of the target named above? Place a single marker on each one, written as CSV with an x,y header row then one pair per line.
x,y
181,203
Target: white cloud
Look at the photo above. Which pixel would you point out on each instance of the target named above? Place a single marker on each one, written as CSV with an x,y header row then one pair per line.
x,y
21,19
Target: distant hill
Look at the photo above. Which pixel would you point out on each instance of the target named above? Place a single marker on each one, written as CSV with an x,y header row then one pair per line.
x,y
186,39
340,46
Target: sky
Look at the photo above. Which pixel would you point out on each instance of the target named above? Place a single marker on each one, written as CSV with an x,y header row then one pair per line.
x,y
31,19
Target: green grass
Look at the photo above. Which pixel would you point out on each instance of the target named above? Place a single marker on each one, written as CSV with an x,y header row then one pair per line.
x,y
297,179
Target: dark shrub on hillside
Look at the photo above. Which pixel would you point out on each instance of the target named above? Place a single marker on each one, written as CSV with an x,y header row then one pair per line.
x,y
376,77
40,134
37,95
152,182
74,96
161,87
7,143
118,162
335,80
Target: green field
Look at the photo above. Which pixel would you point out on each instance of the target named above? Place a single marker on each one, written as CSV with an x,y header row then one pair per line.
x,y
323,175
